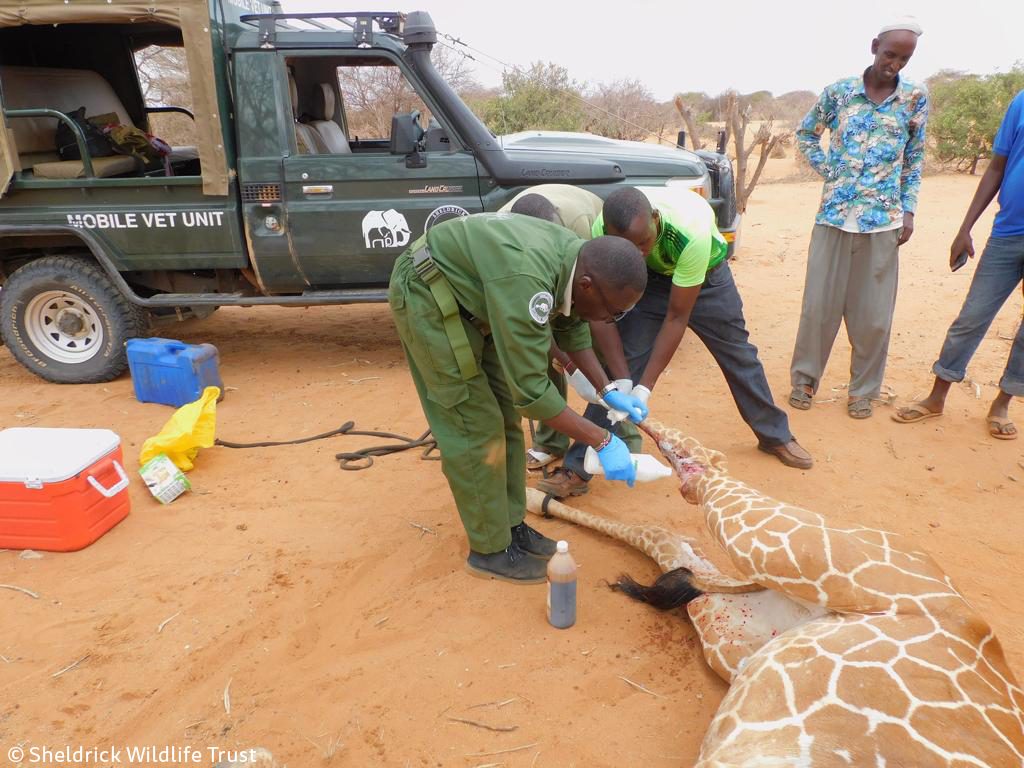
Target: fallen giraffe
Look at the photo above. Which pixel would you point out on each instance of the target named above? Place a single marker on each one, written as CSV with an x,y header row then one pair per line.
x,y
842,646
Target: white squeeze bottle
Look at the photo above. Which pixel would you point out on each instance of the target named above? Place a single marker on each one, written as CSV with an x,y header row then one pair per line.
x,y
647,467
562,588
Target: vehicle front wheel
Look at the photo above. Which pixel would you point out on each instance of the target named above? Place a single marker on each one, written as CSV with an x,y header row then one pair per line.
x,y
64,319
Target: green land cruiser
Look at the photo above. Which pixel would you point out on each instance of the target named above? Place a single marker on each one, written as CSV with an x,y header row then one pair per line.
x,y
280,200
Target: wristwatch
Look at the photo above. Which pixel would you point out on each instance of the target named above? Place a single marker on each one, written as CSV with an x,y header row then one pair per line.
x,y
609,387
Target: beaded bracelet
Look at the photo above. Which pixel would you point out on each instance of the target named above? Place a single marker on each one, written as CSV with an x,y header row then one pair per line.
x,y
604,443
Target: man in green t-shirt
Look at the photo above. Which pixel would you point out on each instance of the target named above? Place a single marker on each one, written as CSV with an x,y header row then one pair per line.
x,y
576,209
689,284
476,301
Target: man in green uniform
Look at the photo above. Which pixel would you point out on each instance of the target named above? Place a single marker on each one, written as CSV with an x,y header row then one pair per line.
x,y
476,300
689,285
576,209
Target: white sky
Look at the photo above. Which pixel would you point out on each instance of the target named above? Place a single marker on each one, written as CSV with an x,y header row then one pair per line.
x,y
676,46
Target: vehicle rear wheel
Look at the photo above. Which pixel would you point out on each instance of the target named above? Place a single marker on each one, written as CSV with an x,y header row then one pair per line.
x,y
65,320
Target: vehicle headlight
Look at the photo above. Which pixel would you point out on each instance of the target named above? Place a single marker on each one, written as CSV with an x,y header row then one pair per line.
x,y
699,184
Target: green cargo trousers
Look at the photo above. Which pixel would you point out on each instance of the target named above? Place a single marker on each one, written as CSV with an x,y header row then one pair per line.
x,y
478,431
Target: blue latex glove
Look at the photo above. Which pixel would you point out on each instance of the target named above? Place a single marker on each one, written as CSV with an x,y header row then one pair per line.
x,y
631,404
616,462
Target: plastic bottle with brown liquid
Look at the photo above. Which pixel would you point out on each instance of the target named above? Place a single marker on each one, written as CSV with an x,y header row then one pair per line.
x,y
562,588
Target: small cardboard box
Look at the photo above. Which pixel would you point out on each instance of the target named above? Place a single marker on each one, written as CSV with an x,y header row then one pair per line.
x,y
165,481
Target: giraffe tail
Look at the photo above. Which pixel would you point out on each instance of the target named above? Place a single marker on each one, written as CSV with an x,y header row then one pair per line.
x,y
672,589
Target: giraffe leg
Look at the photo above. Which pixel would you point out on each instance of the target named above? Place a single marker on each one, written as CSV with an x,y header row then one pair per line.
x,y
731,627
733,619
668,549
801,554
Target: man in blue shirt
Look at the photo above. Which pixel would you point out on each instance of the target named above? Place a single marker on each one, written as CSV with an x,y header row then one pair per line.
x,y
872,172
998,274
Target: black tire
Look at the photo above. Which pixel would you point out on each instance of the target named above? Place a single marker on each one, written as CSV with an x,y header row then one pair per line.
x,y
97,316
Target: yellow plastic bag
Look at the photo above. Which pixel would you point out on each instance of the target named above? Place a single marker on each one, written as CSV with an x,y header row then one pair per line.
x,y
190,428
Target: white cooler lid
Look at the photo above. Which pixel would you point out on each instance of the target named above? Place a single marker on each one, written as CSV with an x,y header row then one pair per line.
x,y
51,455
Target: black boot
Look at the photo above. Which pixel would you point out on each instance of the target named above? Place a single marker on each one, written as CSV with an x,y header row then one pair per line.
x,y
534,542
512,564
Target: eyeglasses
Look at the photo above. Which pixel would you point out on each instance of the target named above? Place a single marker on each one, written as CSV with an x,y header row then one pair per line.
x,y
615,316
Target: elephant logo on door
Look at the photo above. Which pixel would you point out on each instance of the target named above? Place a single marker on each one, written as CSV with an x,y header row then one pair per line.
x,y
385,229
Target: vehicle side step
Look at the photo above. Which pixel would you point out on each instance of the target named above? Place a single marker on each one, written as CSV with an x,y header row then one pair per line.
x,y
305,299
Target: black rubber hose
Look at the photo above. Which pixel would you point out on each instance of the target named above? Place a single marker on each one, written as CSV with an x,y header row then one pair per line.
x,y
355,460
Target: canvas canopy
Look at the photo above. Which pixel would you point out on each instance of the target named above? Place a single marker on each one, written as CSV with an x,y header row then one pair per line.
x,y
192,17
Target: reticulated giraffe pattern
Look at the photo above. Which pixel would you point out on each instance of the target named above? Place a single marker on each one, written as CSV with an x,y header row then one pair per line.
x,y
858,651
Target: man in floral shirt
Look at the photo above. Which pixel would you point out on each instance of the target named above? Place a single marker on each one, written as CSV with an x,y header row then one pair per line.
x,y
872,174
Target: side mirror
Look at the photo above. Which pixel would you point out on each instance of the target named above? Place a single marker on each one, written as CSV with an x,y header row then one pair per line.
x,y
406,139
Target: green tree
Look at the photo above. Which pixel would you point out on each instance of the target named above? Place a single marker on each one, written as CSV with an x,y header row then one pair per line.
x,y
944,77
759,101
699,103
542,98
966,113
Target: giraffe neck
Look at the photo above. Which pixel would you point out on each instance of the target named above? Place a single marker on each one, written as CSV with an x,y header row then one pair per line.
x,y
711,489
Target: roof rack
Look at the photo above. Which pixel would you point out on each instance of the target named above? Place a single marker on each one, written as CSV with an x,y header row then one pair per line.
x,y
361,22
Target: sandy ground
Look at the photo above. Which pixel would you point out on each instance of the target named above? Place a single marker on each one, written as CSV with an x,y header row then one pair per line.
x,y
350,637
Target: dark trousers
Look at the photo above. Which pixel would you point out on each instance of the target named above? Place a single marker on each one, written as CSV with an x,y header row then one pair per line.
x,y
717,319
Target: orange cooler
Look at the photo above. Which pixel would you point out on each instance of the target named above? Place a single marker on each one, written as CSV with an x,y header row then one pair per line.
x,y
60,489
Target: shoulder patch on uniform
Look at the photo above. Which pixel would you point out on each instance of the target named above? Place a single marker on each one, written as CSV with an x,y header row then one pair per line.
x,y
540,307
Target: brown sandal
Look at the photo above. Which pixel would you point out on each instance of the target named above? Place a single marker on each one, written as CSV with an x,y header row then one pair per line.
x,y
859,408
800,398
908,414
997,428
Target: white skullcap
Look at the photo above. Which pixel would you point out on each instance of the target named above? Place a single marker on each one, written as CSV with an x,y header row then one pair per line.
x,y
903,23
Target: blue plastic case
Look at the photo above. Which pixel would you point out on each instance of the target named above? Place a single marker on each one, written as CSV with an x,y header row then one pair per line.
x,y
172,372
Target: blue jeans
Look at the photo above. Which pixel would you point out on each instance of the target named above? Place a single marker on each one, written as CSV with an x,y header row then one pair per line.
x,y
1000,270
717,319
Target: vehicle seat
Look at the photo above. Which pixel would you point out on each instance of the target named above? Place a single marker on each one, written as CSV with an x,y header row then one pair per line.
x,y
306,139
64,90
436,138
330,132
